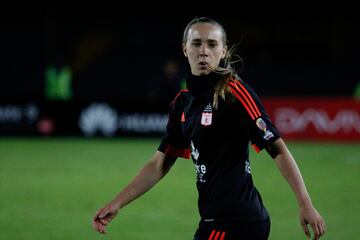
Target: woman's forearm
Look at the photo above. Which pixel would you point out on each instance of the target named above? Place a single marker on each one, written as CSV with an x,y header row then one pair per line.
x,y
150,174
290,171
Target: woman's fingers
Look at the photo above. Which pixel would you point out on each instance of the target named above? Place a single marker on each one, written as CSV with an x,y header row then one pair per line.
x,y
98,226
306,229
99,223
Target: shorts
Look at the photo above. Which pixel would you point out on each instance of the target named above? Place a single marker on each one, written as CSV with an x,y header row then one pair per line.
x,y
257,230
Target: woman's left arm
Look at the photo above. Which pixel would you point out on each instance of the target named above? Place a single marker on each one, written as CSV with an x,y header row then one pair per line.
x,y
290,171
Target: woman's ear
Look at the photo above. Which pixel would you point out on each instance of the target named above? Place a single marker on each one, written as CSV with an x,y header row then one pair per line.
x,y
224,52
184,49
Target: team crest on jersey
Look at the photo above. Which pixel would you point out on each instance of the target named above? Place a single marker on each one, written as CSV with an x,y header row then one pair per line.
x,y
206,117
260,123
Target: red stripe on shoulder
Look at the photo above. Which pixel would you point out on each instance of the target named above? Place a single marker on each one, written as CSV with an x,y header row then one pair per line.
x,y
177,95
238,97
248,94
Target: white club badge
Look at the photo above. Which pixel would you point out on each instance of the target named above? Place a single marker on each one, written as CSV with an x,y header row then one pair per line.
x,y
206,117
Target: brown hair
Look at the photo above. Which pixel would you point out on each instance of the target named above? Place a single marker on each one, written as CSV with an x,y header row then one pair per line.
x,y
226,70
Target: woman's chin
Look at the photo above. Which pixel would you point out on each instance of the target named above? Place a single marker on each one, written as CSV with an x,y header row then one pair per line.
x,y
204,71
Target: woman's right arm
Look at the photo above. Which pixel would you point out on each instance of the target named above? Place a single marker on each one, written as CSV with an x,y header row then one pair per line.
x,y
150,174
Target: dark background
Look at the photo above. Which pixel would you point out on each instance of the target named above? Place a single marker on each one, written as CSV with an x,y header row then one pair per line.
x,y
121,57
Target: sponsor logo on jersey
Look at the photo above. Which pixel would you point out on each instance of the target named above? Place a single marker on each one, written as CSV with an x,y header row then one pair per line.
x,y
194,152
260,123
247,167
206,117
200,169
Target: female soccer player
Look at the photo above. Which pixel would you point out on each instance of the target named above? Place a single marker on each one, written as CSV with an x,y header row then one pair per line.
x,y
214,121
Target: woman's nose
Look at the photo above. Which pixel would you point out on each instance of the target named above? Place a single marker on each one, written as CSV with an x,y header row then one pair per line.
x,y
203,50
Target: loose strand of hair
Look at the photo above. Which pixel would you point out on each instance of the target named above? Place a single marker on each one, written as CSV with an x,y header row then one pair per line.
x,y
222,87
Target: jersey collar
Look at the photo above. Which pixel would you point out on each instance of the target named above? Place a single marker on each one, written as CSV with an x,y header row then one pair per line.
x,y
200,84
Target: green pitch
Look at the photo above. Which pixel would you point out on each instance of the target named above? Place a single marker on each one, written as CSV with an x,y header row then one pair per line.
x,y
51,188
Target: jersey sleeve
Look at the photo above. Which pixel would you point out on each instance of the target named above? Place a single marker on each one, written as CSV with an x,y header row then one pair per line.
x,y
261,131
173,143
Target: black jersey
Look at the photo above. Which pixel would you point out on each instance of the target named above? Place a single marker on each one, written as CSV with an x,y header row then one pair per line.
x,y
218,141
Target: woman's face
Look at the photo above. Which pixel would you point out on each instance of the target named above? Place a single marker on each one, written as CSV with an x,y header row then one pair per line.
x,y
204,47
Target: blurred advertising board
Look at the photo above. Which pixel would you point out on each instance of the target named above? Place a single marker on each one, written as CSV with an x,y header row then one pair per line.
x,y
67,118
315,118
296,118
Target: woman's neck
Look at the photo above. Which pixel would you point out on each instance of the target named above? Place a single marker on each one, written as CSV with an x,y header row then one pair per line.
x,y
199,84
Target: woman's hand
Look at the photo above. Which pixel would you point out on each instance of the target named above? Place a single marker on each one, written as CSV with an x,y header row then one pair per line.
x,y
309,215
104,216
150,174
